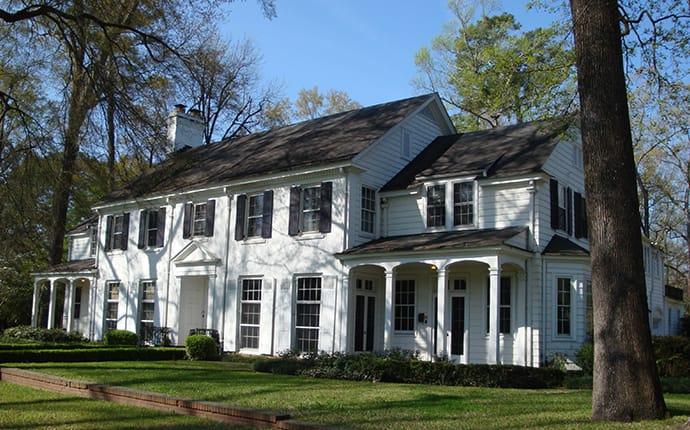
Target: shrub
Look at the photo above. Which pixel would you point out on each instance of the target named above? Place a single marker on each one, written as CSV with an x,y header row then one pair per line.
x,y
91,354
280,366
672,355
120,338
201,347
37,334
584,357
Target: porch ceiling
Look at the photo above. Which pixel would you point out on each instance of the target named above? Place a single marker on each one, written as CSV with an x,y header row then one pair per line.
x,y
445,240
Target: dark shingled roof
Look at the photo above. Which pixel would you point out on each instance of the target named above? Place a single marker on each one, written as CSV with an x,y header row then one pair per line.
x,y
559,245
83,226
460,239
72,266
333,138
503,151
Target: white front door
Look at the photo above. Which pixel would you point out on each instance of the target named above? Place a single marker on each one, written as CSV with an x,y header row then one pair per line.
x,y
459,321
193,305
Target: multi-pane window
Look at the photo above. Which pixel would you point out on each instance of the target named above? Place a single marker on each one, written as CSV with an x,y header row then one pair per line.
x,y
436,206
487,322
255,214
151,228
563,307
463,203
118,232
562,207
94,240
504,306
77,302
250,313
311,207
112,299
199,219
589,312
147,307
368,209
404,305
366,284
308,314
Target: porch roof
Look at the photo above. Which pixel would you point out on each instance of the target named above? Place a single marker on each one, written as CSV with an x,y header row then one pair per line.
x,y
559,245
444,240
76,266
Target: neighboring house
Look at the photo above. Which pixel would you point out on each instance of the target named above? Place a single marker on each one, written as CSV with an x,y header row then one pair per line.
x,y
368,230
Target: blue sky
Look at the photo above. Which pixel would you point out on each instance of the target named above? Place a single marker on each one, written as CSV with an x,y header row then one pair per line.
x,y
365,48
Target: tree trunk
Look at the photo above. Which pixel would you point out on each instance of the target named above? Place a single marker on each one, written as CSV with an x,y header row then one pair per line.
x,y
626,384
110,119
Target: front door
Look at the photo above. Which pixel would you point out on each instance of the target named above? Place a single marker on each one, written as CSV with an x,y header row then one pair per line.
x,y
365,314
193,303
457,327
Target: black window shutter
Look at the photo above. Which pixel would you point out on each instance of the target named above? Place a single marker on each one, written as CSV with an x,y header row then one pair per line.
x,y
240,216
187,222
569,210
293,227
554,203
210,216
160,233
267,218
109,233
325,211
577,208
585,228
125,231
141,243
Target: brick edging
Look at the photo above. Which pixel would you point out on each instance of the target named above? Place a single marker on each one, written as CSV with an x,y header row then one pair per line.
x,y
211,410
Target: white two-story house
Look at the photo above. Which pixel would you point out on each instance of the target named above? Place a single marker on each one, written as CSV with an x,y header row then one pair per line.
x,y
368,230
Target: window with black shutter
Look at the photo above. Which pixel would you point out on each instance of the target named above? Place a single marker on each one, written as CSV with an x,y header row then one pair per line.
x,y
152,221
310,209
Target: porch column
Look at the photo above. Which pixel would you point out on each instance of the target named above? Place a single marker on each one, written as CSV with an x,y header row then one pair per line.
x,y
343,345
442,298
34,305
494,354
70,305
388,322
51,305
527,331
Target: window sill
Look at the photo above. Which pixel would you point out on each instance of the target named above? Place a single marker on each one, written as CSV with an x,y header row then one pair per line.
x,y
404,333
152,250
116,252
253,241
465,227
310,236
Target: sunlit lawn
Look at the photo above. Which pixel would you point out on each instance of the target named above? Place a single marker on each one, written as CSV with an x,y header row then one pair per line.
x,y
26,408
359,404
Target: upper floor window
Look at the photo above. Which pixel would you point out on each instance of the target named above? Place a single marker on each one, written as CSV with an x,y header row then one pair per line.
x,y
561,207
117,229
563,307
255,214
368,209
151,228
199,219
310,209
463,203
94,240
311,203
436,206
406,145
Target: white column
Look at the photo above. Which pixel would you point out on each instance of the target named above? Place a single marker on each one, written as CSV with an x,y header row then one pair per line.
x,y
34,305
344,313
51,305
388,321
494,354
441,300
527,330
69,308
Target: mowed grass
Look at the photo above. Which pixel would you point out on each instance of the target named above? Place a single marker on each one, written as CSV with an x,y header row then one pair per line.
x,y
27,408
360,404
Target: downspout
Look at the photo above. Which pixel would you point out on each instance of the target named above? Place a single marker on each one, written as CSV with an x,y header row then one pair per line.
x,y
533,228
170,242
225,277
346,232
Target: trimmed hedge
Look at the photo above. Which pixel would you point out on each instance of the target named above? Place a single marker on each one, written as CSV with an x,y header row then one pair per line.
x,y
120,337
49,345
37,334
91,354
375,368
668,384
201,347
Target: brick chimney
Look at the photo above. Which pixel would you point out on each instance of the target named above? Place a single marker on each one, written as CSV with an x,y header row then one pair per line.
x,y
185,129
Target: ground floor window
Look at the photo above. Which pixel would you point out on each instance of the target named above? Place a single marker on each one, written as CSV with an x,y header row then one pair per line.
x,y
504,306
250,313
308,314
111,311
77,302
404,304
563,304
147,308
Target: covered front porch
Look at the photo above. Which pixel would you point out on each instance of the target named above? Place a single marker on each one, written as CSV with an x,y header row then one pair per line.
x,y
468,305
63,297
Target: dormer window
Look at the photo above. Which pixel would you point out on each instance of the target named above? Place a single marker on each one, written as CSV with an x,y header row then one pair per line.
x,y
368,209
406,145
436,206
463,204
94,240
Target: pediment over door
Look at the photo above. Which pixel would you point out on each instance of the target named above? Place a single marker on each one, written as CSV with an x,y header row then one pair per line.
x,y
195,254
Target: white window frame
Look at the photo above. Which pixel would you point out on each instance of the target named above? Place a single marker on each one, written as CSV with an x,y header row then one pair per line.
x,y
454,204
406,144
563,200
109,300
303,211
148,229
249,217
250,301
142,301
445,206
397,305
368,212
572,305
511,305
93,244
201,221
589,305
114,246
297,301
77,302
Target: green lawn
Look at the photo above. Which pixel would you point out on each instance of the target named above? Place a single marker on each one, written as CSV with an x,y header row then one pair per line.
x,y
26,408
359,404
